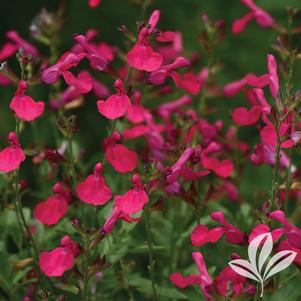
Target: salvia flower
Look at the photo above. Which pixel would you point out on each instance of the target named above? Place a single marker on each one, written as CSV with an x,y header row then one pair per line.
x,y
120,157
94,190
56,262
28,48
262,18
117,104
24,106
134,200
292,232
97,59
12,156
142,56
203,279
53,73
50,211
202,235
94,3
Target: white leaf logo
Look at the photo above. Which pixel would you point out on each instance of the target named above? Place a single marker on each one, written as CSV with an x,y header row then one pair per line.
x,y
258,268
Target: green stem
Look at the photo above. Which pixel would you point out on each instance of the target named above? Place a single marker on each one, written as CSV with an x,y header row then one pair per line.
x,y
288,179
85,272
275,181
151,266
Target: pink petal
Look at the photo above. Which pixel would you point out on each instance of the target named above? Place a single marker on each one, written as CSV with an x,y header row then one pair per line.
x,y
182,282
56,262
114,107
93,190
51,211
132,201
142,57
242,116
26,108
239,25
121,158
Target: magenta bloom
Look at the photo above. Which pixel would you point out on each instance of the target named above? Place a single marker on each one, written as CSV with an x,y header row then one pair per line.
x,y
24,106
114,217
12,156
21,43
242,116
7,50
56,262
159,76
97,57
94,190
262,18
83,82
116,105
50,211
203,279
142,56
94,3
53,73
136,112
134,200
202,235
292,232
121,158
273,76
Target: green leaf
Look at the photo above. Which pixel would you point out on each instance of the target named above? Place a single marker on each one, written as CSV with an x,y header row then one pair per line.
x,y
290,291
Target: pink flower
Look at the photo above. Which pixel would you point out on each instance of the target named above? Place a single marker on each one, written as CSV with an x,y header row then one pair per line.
x,y
166,109
268,135
142,56
50,211
262,18
285,245
53,73
292,232
159,76
134,200
229,281
242,116
7,50
24,106
203,279
239,25
188,82
273,76
56,262
116,105
94,3
233,234
265,153
262,228
114,217
176,169
222,168
12,156
121,158
94,190
256,97
136,112
258,82
202,235
21,43
97,59
83,82
232,88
